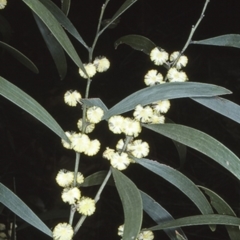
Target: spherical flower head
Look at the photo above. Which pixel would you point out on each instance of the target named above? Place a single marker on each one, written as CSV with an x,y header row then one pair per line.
x,y
145,235
120,230
143,114
162,106
157,118
102,64
182,61
108,153
64,178
86,206
63,231
80,178
80,142
3,4
93,148
90,69
3,235
120,161
65,143
153,77
131,127
71,195
94,114
115,124
2,227
90,126
139,149
158,56
174,75
71,98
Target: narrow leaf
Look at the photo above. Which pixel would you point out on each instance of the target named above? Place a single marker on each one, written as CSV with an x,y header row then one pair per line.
x,y
127,4
199,220
201,142
159,215
222,208
165,91
228,40
131,202
65,6
17,206
27,103
20,57
54,48
61,16
53,25
223,106
180,181
137,42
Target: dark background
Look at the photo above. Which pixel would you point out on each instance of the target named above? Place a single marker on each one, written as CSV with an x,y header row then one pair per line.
x,y
31,155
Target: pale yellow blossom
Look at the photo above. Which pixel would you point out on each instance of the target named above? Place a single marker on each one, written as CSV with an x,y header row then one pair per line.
x,y
63,231
86,206
158,56
90,69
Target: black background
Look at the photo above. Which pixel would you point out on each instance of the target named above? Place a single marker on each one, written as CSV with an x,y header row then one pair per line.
x,y
31,155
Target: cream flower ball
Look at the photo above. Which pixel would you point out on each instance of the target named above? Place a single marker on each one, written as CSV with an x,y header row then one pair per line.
x,y
64,178
94,114
153,77
80,142
65,143
182,61
115,124
120,161
143,114
3,4
63,231
162,106
86,206
71,195
139,148
174,75
131,127
90,126
102,64
71,98
90,69
93,148
158,56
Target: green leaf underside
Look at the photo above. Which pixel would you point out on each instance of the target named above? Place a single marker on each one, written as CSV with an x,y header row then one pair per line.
x,y
159,214
137,42
96,179
165,91
180,181
222,208
131,202
199,220
223,106
127,4
53,25
61,17
201,142
27,103
54,48
17,206
20,57
228,40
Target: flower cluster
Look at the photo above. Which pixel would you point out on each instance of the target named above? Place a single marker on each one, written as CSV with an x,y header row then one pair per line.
x,y
3,4
100,64
175,62
63,231
71,98
144,235
80,142
125,150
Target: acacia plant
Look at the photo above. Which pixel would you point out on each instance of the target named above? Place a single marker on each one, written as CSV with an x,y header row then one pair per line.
x,y
146,108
